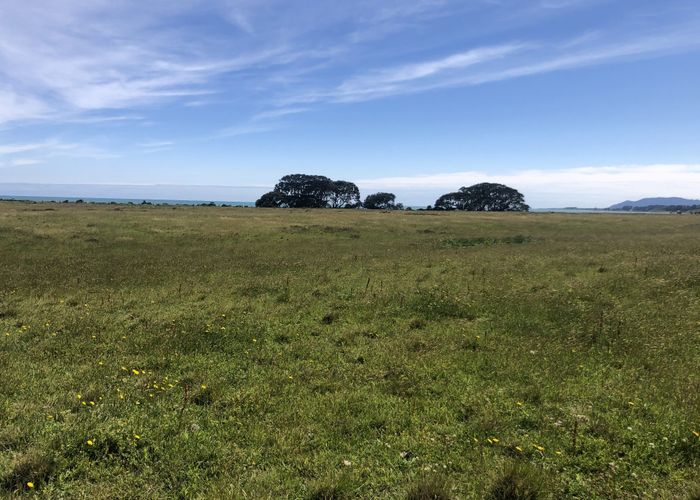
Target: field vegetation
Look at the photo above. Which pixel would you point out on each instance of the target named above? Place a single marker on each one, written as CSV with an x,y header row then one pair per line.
x,y
157,352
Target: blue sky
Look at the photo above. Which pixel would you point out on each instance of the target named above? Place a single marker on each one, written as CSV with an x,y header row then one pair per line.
x,y
573,102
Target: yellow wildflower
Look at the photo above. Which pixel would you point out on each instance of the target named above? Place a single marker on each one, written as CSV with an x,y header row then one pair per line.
x,y
30,485
135,372
90,442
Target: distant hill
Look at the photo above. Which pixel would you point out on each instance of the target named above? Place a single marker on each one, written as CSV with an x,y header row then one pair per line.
x,y
650,202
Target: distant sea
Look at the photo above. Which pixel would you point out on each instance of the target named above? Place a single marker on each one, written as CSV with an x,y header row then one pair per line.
x,y
124,201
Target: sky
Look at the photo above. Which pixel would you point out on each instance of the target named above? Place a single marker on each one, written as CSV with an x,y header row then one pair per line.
x,y
572,102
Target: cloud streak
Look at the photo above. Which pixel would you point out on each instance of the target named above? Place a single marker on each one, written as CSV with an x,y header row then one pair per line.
x,y
50,148
87,58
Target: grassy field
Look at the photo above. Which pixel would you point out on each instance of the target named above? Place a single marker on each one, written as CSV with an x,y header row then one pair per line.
x,y
153,352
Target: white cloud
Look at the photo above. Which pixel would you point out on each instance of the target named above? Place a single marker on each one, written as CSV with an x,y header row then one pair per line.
x,y
24,162
394,80
278,113
9,149
55,148
583,187
15,107
156,146
85,57
82,58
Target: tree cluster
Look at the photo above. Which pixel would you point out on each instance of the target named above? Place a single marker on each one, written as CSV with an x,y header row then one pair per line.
x,y
311,191
484,197
382,201
317,191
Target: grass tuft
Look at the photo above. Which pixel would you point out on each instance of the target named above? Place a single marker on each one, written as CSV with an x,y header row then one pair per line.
x,y
432,487
518,481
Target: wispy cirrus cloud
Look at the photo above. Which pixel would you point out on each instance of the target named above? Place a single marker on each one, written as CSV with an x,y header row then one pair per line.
x,y
265,60
51,148
156,146
503,62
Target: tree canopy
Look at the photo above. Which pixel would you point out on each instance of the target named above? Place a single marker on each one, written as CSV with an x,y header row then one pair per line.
x,y
344,194
382,201
484,197
310,191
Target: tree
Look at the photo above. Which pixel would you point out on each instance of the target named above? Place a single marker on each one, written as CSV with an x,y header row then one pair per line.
x,y
344,194
305,191
450,201
484,197
272,199
382,201
311,191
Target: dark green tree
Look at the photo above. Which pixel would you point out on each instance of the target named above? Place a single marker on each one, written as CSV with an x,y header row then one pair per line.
x,y
272,199
305,191
450,201
484,197
382,201
344,195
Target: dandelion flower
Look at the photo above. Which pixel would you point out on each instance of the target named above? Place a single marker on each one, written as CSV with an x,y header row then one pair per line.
x,y
135,372
203,386
90,442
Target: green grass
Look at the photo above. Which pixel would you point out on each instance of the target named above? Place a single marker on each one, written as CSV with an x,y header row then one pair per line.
x,y
249,353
